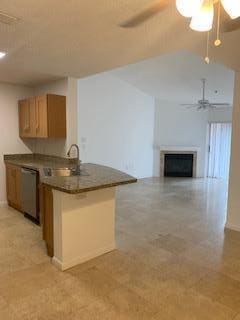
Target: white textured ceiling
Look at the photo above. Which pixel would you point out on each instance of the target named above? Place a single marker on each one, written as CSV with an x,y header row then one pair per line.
x,y
81,37
176,78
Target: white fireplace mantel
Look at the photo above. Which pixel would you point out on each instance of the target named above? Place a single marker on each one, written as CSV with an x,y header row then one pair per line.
x,y
160,150
178,148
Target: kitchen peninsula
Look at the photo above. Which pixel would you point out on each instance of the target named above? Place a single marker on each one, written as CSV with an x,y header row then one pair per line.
x,y
77,212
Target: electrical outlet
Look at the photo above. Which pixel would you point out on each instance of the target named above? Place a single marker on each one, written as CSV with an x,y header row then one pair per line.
x,y
83,139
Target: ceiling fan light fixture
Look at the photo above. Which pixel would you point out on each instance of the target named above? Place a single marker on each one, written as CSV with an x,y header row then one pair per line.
x,y
188,8
2,54
232,7
203,20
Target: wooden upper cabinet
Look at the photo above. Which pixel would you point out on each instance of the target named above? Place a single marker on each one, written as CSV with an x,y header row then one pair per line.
x,y
43,117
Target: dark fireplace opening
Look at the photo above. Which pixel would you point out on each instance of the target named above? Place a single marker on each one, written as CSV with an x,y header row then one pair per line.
x,y
178,165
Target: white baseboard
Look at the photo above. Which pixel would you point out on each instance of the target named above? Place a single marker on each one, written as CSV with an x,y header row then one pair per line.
x,y
232,227
69,264
3,204
57,263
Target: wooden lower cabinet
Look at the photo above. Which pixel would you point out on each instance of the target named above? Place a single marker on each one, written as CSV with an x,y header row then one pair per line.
x,y
46,208
14,186
13,179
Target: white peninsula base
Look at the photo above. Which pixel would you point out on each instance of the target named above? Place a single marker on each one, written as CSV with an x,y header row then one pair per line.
x,y
84,226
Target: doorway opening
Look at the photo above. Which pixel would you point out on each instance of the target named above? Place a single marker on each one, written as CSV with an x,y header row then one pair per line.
x,y
219,150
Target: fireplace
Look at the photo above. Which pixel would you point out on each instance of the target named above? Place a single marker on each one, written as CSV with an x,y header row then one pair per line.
x,y
178,165
178,161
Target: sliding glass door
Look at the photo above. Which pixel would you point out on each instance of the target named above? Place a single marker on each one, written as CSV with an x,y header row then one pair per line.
x,y
219,150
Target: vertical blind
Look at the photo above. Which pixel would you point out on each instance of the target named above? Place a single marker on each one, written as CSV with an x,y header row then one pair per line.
x,y
220,149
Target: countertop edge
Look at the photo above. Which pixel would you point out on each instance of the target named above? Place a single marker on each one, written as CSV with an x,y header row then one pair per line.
x,y
69,191
89,189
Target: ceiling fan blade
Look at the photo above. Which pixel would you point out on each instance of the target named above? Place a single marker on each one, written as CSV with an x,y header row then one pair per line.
x,y
230,25
221,104
146,14
191,105
7,18
211,106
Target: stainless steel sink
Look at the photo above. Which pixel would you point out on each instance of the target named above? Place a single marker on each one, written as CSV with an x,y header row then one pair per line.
x,y
63,172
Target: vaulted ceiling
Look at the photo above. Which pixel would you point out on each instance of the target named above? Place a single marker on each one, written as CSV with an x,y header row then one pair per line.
x,y
79,38
176,78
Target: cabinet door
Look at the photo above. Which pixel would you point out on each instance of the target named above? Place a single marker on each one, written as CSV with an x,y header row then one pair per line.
x,y
11,186
13,177
56,116
41,117
27,128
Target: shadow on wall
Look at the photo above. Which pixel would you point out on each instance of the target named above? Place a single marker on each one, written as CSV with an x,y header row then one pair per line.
x,y
54,147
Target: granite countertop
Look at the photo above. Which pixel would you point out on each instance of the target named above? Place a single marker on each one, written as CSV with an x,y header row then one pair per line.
x,y
95,176
98,177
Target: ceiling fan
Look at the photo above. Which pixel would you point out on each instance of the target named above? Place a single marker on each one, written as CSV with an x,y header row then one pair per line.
x,y
205,104
201,13
7,18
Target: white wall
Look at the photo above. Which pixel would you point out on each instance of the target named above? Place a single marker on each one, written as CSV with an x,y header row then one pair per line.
x,y
115,124
72,112
178,126
233,216
220,115
9,138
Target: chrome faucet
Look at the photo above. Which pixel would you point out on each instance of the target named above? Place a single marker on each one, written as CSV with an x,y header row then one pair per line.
x,y
78,166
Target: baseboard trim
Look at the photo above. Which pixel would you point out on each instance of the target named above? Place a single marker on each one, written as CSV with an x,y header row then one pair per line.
x,y
232,227
69,264
3,204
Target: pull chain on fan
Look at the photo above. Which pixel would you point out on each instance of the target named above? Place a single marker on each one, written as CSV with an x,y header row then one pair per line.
x,y
207,59
218,42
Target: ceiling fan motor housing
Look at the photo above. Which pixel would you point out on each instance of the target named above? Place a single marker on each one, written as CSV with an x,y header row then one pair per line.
x,y
203,102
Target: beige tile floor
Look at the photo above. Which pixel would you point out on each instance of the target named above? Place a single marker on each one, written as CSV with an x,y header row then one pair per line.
x,y
174,261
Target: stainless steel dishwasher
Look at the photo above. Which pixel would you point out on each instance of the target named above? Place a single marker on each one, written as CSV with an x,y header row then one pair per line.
x,y
30,197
